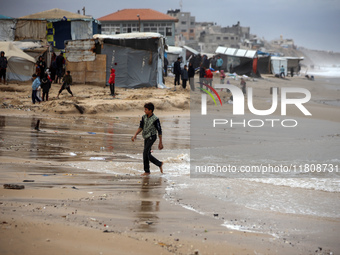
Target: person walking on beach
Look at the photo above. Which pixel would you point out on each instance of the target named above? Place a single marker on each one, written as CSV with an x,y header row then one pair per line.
x,y
177,71
150,125
45,85
67,81
219,63
185,77
112,82
202,76
3,66
209,77
243,85
35,86
222,77
282,72
191,74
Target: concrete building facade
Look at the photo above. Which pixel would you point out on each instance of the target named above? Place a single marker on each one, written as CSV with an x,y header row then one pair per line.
x,y
139,20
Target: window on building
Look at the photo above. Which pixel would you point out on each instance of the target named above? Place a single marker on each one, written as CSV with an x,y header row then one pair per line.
x,y
162,28
191,30
218,38
168,31
183,30
109,29
183,22
226,38
232,38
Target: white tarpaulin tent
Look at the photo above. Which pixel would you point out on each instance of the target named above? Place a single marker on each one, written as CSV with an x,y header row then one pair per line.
x,y
20,65
277,62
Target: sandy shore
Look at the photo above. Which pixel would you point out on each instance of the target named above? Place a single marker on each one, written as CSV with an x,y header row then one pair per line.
x,y
69,210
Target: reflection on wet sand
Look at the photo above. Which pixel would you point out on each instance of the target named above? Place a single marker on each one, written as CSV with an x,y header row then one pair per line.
x,y
149,205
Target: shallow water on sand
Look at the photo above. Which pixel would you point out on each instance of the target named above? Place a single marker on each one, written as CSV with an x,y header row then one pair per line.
x,y
103,145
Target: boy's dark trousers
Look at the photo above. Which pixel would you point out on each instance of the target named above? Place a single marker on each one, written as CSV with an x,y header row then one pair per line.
x,y
184,84
112,89
148,142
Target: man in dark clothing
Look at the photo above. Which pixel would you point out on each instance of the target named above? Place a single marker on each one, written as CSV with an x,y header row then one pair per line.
x,y
150,125
202,76
60,61
191,74
177,71
3,66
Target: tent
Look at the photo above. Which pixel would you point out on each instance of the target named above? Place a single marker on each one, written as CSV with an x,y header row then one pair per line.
x,y
137,58
7,28
20,65
242,61
56,26
277,62
175,52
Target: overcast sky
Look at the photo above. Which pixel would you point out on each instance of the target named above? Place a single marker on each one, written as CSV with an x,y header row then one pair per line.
x,y
310,23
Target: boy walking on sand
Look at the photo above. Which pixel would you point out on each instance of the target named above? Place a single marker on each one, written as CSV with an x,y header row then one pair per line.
x,y
67,81
150,126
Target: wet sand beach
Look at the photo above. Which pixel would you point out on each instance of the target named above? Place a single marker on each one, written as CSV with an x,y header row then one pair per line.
x,y
84,194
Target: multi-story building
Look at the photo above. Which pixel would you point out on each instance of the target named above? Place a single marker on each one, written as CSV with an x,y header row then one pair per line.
x,y
184,28
206,36
139,20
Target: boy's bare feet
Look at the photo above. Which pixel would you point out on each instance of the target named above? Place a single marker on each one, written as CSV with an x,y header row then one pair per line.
x,y
161,168
145,174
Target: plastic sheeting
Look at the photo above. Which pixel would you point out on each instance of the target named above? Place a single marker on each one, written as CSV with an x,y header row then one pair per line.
x,y
134,69
277,62
7,30
30,29
81,30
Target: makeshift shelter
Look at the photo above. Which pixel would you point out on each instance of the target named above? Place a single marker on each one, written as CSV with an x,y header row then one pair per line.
x,y
20,65
86,66
277,63
293,64
263,65
7,28
173,53
56,26
137,57
242,61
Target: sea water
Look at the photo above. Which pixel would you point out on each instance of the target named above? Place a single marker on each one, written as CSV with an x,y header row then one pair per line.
x,y
104,145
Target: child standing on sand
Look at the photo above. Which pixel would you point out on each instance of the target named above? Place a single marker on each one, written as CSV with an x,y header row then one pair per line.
x,y
112,82
150,125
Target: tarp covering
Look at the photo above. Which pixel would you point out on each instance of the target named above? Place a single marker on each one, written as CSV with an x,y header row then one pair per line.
x,y
139,58
30,29
173,53
277,62
20,65
236,52
263,65
81,30
134,69
7,28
